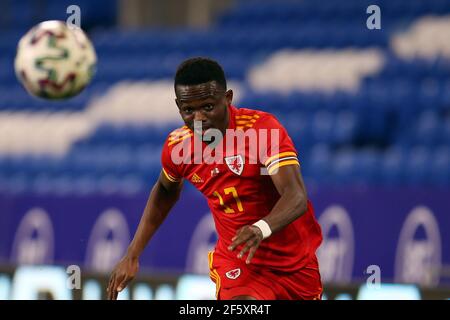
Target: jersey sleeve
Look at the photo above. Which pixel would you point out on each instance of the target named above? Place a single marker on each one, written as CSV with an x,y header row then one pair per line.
x,y
278,149
169,168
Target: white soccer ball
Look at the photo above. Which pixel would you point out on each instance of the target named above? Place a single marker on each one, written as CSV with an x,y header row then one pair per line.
x,y
54,61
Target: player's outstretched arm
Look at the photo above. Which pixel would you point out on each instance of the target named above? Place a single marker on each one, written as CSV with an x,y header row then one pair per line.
x,y
162,198
293,202
291,205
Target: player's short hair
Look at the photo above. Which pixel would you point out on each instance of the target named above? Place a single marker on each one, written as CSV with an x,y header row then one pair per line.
x,y
200,70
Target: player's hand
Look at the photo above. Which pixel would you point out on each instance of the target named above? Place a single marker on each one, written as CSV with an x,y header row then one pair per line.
x,y
251,236
123,273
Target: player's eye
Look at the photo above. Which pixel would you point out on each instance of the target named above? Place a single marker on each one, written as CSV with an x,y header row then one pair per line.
x,y
187,110
208,107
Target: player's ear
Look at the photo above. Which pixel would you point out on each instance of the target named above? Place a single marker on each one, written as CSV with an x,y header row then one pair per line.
x,y
178,103
229,96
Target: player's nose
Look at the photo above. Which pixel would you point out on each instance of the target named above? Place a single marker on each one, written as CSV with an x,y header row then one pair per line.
x,y
199,116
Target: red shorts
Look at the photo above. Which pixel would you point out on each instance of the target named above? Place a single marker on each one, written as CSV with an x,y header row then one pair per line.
x,y
236,278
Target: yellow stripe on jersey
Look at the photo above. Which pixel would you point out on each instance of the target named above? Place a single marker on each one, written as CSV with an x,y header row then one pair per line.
x,y
255,116
180,139
245,121
213,274
214,279
217,283
179,134
210,259
274,162
179,129
169,177
278,156
282,164
240,122
244,126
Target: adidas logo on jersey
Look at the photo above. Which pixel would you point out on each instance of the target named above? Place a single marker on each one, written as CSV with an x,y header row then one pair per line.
x,y
196,178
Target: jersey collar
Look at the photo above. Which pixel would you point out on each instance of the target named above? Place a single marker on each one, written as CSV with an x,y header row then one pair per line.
x,y
232,117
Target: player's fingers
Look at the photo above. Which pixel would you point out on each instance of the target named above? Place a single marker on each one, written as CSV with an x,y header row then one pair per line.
x,y
111,294
111,280
242,237
111,287
251,253
237,240
247,246
124,283
114,292
109,284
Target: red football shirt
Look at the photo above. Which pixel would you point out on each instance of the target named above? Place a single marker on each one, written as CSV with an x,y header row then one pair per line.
x,y
238,189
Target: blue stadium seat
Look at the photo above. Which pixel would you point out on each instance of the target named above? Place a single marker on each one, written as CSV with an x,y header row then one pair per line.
x,y
392,166
427,128
344,167
318,164
417,166
440,166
